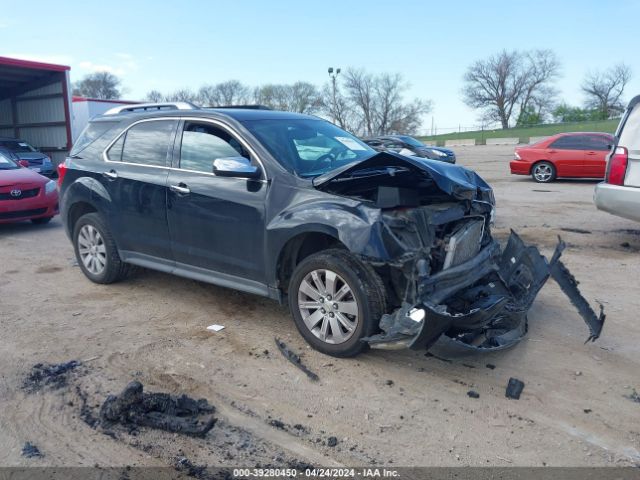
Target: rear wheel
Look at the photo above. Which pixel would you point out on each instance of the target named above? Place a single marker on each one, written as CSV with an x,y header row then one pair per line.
x,y
336,300
543,172
41,221
96,250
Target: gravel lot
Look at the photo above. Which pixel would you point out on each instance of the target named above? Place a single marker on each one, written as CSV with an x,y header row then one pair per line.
x,y
385,408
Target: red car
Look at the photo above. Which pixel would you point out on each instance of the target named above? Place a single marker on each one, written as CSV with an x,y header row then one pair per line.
x,y
25,194
576,155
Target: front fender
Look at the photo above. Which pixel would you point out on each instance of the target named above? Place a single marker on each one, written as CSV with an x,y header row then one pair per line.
x,y
357,227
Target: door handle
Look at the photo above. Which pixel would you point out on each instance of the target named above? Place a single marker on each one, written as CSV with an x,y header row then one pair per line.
x,y
181,189
591,153
110,175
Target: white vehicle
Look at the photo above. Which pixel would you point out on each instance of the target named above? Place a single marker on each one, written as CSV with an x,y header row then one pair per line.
x,y
619,194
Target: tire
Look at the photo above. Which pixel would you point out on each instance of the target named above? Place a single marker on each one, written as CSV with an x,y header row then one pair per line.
x,y
543,172
41,221
360,306
91,231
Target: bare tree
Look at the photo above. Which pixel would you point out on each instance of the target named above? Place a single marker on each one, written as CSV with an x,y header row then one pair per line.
x,y
604,90
360,89
154,96
103,85
505,84
301,97
182,95
542,67
373,104
231,92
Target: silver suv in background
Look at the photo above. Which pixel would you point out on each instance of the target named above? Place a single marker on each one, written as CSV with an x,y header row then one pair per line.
x,y
619,194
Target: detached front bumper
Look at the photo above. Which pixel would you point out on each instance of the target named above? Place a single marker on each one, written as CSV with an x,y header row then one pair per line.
x,y
482,303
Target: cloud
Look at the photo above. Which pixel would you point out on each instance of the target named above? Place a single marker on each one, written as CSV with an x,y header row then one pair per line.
x,y
125,64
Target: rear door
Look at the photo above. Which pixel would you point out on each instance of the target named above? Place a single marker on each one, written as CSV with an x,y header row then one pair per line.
x,y
629,137
135,176
595,156
216,223
567,154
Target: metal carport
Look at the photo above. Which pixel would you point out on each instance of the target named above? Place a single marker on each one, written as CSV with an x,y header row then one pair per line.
x,y
35,105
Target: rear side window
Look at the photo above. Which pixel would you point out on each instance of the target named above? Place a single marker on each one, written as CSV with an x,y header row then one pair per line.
x,y
146,143
598,142
630,135
91,133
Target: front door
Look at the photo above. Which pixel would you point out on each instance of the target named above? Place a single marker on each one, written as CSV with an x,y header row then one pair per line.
x,y
216,223
567,154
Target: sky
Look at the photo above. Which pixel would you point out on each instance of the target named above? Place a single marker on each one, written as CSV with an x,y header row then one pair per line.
x,y
165,45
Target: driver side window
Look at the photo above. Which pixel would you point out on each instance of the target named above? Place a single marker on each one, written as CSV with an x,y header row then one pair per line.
x,y
203,143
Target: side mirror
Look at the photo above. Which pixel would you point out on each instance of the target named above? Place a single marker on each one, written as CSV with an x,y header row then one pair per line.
x,y
23,163
238,167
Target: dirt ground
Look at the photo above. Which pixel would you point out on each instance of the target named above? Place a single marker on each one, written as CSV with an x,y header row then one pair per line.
x,y
395,408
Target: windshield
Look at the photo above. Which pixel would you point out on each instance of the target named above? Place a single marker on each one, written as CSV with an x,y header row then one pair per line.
x,y
412,141
308,147
17,146
6,163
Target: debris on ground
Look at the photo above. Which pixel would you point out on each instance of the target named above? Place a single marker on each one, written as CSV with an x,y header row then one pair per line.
x,y
332,441
31,451
295,359
442,359
183,464
158,410
389,383
53,375
473,394
576,230
625,245
277,423
490,366
587,410
215,328
633,396
514,388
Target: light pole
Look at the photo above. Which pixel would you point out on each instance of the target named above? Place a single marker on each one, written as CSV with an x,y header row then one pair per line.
x,y
334,75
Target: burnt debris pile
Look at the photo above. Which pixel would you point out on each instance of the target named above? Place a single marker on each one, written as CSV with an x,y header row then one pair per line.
x,y
51,375
179,414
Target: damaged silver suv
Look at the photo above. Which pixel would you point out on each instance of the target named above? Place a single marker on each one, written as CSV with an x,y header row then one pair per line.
x,y
368,248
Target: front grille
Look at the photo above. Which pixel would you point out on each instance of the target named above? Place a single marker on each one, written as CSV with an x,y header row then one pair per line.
x,y
22,213
33,192
464,243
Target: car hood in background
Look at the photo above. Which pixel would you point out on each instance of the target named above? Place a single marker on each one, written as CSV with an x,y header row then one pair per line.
x,y
453,180
31,155
20,175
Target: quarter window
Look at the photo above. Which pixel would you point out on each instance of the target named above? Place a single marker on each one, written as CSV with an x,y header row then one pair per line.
x,y
146,143
202,144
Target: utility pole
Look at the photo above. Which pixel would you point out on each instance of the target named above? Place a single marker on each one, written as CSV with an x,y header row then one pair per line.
x,y
334,108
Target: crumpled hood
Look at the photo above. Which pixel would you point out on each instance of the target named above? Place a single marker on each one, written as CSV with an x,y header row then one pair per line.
x,y
453,180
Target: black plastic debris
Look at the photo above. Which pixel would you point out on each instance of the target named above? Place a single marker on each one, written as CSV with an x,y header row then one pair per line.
x,y
158,410
473,394
295,359
52,375
332,442
277,424
490,366
31,451
514,388
576,230
633,396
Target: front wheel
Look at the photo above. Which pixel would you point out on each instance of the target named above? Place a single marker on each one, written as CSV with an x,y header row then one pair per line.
x,y
543,172
336,300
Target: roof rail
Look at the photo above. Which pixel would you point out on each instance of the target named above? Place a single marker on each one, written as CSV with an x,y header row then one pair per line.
x,y
247,107
144,107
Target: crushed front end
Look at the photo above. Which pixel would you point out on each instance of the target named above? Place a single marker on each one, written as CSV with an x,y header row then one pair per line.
x,y
454,279
430,242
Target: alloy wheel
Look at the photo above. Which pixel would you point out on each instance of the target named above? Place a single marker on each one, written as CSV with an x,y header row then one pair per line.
x,y
542,173
92,250
328,306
